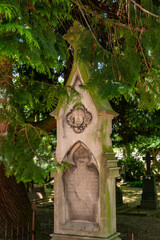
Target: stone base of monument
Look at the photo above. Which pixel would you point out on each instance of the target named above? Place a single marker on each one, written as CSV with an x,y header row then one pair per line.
x,y
149,195
77,237
150,204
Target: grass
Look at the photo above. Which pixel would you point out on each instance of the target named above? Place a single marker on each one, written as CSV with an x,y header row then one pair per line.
x,y
132,195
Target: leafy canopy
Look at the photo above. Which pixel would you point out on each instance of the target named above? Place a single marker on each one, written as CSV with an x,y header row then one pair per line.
x,y
28,32
120,42
32,56
134,128
122,46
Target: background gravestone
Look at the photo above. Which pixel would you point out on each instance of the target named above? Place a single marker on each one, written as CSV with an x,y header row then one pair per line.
x,y
149,194
84,197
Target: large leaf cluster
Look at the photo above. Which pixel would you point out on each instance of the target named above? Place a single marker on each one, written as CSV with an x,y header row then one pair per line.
x,y
136,128
124,52
120,44
28,154
27,32
32,56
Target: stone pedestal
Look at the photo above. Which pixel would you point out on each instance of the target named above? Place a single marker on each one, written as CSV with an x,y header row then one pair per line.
x,y
74,237
84,196
149,195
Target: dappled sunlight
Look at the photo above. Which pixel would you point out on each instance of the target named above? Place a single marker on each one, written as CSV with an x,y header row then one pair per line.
x,y
132,195
131,199
133,191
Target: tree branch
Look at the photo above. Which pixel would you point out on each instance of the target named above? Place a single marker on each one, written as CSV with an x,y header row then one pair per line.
x,y
144,10
106,19
4,126
47,124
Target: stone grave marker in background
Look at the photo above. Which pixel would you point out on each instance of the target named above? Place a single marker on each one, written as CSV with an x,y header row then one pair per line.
x,y
149,194
84,197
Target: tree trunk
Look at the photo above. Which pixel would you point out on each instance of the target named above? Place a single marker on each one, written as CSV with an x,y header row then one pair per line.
x,y
127,151
47,124
15,207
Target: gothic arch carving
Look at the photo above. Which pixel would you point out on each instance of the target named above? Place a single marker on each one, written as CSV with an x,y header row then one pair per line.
x,y
81,184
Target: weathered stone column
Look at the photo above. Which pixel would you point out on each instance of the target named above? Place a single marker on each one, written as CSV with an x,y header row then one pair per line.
x,y
84,206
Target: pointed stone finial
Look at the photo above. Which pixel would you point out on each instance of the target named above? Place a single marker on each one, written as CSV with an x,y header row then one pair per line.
x,y
73,34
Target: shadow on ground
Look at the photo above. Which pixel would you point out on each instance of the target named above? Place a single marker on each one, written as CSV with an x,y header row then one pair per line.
x,y
133,222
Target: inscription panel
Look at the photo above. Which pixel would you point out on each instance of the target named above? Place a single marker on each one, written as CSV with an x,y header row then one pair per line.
x,y
81,185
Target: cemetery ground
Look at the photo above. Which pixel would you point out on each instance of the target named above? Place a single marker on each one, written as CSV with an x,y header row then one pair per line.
x,y
133,222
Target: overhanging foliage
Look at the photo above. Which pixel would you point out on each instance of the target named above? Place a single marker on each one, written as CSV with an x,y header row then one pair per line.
x,y
120,42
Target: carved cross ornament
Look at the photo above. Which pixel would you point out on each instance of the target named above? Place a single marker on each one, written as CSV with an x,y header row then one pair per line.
x,y
78,118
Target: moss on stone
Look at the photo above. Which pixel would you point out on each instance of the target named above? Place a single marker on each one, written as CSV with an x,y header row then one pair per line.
x,y
109,149
104,135
108,208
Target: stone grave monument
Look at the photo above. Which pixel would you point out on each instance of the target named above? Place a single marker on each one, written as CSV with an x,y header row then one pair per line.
x,y
84,197
149,194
